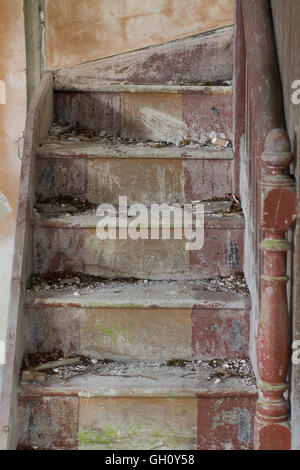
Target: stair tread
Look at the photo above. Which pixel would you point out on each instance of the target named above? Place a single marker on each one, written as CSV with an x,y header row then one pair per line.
x,y
59,207
216,221
215,212
94,84
146,379
140,294
140,150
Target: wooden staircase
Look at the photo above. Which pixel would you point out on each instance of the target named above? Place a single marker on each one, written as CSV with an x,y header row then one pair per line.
x,y
161,337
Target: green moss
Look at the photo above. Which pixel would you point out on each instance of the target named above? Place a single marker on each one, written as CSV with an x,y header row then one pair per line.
x,y
281,245
109,437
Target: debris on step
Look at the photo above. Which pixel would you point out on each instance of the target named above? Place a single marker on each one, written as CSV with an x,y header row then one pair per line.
x,y
86,283
238,368
220,142
33,360
67,206
61,129
229,205
176,363
235,283
217,369
213,83
66,132
31,376
74,280
64,204
60,363
28,448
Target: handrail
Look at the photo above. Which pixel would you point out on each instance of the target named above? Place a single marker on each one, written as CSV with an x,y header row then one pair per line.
x,y
38,122
279,212
258,111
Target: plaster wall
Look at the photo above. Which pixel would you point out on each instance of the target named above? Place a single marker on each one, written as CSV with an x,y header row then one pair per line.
x,y
12,122
82,31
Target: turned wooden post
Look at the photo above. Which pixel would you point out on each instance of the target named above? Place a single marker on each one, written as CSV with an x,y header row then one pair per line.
x,y
272,430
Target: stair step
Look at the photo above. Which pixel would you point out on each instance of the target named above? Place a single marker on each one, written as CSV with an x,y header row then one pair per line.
x,y
96,85
70,243
137,320
138,406
148,112
102,172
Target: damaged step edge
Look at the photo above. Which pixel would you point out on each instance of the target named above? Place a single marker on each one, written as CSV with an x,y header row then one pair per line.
x,y
139,381
153,294
98,86
87,221
95,150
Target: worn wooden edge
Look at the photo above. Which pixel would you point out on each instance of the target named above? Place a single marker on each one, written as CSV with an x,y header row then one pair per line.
x,y
94,85
205,300
38,122
122,151
59,391
211,221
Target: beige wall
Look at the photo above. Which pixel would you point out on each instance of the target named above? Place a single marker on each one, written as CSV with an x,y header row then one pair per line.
x,y
12,119
81,31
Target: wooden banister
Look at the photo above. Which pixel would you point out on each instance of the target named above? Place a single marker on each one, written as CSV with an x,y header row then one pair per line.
x,y
279,212
263,154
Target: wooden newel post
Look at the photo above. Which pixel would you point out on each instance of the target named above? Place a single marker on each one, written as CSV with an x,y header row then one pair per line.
x,y
278,211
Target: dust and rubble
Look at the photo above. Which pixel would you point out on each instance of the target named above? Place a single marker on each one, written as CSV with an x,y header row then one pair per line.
x,y
81,283
68,206
58,367
235,283
65,204
228,205
213,83
74,132
72,281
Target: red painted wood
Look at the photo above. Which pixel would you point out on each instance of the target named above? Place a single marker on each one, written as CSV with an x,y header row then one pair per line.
x,y
215,335
279,204
225,423
262,105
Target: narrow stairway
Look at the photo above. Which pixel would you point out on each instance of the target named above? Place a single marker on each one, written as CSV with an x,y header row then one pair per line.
x,y
147,341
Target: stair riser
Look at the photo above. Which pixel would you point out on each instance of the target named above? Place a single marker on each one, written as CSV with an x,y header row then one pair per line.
x,y
58,249
138,334
141,180
167,117
103,423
